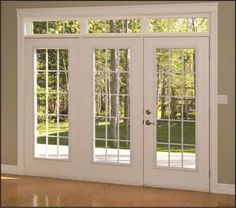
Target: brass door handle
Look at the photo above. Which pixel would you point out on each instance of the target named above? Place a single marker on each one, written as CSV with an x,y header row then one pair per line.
x,y
147,122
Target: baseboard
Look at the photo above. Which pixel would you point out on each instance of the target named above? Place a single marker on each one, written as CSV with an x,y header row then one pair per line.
x,y
12,169
222,188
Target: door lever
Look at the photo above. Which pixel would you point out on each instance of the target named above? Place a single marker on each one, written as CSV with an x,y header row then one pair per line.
x,y
147,122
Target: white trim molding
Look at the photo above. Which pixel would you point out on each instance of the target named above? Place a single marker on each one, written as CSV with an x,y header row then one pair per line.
x,y
12,169
222,188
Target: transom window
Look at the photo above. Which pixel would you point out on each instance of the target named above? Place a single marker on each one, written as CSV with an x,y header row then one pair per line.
x,y
56,27
118,25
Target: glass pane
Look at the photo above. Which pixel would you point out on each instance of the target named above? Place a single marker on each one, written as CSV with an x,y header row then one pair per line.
x,y
39,27
124,152
100,150
175,108
100,101
72,26
63,82
55,27
189,132
63,141
189,157
41,59
101,82
176,61
52,59
41,82
63,107
189,112
63,149
189,61
124,106
41,129
134,26
112,128
96,26
163,111
175,156
162,131
63,59
52,103
162,154
162,60
52,82
100,128
52,126
124,80
162,84
63,126
175,132
113,106
41,103
112,151
100,59
124,129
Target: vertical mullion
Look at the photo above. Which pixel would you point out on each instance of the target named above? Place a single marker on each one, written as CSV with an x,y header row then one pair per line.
x,y
182,122
58,103
46,102
106,103
169,99
118,117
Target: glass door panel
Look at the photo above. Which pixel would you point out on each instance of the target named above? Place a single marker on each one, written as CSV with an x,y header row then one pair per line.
x,y
112,106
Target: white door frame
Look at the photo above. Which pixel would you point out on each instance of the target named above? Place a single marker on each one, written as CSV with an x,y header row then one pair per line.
x,y
165,9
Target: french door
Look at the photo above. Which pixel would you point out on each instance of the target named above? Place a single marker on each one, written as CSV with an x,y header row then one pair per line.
x,y
112,141
176,117
122,110
51,111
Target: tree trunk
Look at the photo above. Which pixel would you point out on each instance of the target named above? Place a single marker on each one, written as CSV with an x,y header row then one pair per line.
x,y
172,105
113,89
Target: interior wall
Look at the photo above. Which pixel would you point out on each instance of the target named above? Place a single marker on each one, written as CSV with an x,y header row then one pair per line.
x,y
226,139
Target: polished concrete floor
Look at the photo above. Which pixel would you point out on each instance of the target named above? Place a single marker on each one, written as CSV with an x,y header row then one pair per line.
x,y
37,191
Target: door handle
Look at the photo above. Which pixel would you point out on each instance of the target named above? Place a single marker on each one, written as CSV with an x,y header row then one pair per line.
x,y
147,122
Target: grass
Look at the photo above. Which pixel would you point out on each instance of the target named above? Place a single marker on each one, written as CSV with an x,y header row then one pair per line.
x,y
162,135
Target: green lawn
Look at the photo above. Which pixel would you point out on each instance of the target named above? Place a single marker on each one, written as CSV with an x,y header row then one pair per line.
x,y
162,135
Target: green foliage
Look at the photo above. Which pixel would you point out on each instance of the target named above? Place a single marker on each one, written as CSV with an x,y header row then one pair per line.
x,y
195,24
56,27
114,26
